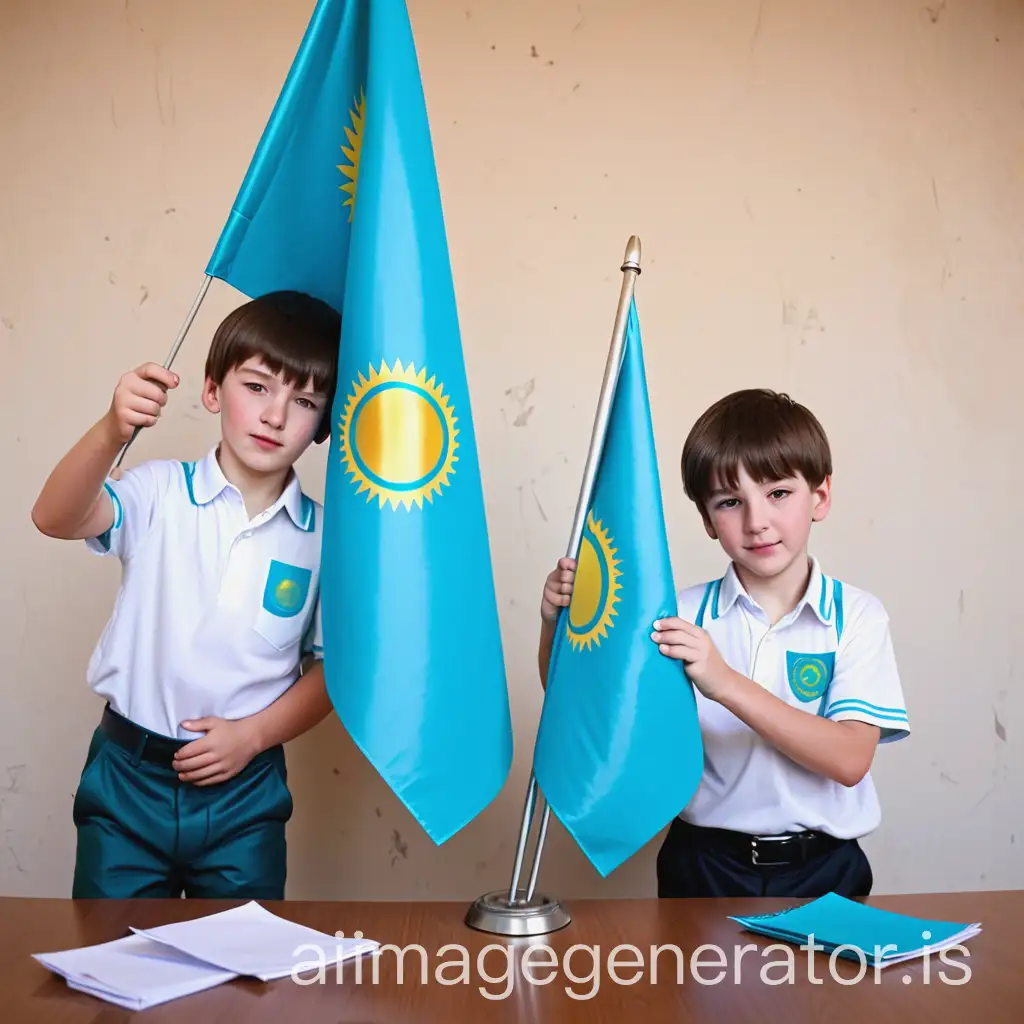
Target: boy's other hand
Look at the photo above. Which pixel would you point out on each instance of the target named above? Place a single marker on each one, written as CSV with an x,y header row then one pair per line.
x,y
222,753
558,589
138,399
676,638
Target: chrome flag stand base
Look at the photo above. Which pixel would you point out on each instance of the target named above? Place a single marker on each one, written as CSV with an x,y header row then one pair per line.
x,y
538,916
514,911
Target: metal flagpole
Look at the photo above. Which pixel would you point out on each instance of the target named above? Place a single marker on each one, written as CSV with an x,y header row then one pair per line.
x,y
174,351
515,911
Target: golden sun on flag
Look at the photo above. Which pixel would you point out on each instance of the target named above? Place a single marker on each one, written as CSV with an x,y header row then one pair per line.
x,y
353,151
398,436
596,592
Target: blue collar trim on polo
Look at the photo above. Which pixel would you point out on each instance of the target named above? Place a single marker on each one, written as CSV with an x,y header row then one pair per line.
x,y
205,480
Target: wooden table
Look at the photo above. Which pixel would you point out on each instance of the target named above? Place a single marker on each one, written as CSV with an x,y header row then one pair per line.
x,y
995,985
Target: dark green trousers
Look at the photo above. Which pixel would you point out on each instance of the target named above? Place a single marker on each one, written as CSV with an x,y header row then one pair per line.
x,y
144,833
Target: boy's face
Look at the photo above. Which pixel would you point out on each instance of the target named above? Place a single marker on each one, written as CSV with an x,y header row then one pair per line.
x,y
764,527
267,423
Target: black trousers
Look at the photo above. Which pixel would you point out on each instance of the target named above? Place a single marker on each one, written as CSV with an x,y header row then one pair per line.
x,y
694,862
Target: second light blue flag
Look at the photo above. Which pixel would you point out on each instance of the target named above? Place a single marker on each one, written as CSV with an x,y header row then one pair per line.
x,y
619,751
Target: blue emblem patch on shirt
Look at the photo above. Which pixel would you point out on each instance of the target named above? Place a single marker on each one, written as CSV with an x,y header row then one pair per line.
x,y
809,674
286,590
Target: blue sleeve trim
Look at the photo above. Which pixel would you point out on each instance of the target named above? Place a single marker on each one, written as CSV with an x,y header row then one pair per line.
x,y
861,713
867,705
118,510
849,709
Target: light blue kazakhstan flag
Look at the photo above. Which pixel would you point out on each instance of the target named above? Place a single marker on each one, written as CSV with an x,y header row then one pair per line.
x,y
618,751
342,201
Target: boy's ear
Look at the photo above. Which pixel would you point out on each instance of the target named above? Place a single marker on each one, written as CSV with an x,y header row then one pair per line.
x,y
211,396
822,500
710,530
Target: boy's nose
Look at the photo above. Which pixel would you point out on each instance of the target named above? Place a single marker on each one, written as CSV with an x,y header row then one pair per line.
x,y
757,521
273,415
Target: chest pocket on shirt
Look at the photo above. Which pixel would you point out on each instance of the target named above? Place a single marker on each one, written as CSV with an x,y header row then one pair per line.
x,y
285,594
809,674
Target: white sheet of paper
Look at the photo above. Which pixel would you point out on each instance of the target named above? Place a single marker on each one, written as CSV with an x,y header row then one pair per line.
x,y
134,971
968,933
128,1002
144,1002
250,940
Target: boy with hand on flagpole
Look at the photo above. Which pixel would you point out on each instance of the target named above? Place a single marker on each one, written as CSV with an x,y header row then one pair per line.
x,y
185,789
340,205
795,676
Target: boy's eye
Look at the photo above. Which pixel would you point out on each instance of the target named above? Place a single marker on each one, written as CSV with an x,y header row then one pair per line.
x,y
779,492
306,403
728,503
255,387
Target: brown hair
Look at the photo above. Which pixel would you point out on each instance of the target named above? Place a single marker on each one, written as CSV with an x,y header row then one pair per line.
x,y
765,432
293,333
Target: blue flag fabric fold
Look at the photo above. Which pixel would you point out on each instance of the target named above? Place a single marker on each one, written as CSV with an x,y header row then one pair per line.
x,y
619,751
341,200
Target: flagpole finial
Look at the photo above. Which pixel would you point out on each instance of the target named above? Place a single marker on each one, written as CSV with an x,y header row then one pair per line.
x,y
632,258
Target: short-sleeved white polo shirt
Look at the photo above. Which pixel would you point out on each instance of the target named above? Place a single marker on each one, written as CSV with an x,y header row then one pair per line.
x,y
832,656
215,610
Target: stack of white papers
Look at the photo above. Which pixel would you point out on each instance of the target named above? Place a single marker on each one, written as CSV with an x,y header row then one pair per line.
x,y
133,972
861,932
159,964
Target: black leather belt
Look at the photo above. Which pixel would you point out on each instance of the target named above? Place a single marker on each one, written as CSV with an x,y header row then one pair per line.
x,y
149,746
142,745
766,850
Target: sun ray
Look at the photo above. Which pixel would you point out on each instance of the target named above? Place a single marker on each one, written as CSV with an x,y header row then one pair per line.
x,y
353,152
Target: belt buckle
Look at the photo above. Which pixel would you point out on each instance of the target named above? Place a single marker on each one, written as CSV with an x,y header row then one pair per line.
x,y
755,853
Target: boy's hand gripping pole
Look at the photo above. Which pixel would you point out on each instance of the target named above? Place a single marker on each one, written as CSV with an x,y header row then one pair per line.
x,y
174,351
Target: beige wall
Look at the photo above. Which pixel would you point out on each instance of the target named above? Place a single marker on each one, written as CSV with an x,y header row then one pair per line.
x,y
831,202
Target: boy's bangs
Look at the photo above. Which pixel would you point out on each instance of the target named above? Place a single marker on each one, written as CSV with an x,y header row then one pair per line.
x,y
296,371
764,459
